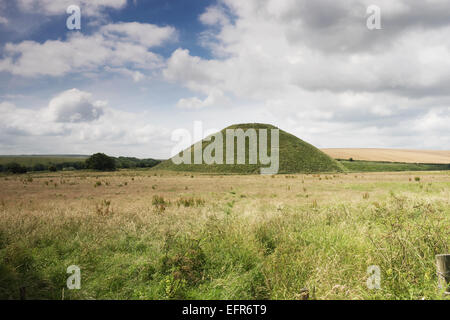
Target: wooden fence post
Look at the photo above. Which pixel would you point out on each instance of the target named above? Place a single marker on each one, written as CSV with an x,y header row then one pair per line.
x,y
23,294
443,271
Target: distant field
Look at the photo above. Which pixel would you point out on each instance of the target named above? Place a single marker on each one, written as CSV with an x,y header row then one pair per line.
x,y
36,159
378,166
391,155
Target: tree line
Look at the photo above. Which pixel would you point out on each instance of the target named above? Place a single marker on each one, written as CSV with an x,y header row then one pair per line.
x,y
98,162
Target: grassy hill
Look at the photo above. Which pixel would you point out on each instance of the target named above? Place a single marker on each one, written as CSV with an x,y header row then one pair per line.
x,y
295,156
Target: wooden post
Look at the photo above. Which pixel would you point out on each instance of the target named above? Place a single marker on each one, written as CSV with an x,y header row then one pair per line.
x,y
22,292
443,271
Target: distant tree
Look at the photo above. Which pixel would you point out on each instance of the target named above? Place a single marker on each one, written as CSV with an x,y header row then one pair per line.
x,y
15,168
52,168
39,167
351,159
101,162
79,165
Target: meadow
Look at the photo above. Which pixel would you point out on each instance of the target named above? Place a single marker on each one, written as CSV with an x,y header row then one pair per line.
x,y
150,234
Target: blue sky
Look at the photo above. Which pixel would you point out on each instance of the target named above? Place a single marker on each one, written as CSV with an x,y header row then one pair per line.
x,y
138,70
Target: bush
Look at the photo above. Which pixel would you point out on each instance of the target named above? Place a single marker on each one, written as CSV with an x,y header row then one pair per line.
x,y
101,162
159,200
190,202
15,168
39,167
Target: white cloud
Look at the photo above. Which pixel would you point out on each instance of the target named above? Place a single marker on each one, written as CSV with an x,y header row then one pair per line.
x,y
25,122
3,20
260,56
309,67
145,34
74,106
137,76
124,45
67,125
57,7
314,68
214,15
216,98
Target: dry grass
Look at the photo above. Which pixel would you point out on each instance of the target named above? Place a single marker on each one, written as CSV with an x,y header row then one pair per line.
x,y
160,235
391,155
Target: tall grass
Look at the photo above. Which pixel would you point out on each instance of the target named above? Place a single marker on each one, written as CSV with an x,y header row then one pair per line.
x,y
192,252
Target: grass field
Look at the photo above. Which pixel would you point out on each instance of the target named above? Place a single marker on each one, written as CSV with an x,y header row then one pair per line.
x,y
160,235
29,161
378,166
390,155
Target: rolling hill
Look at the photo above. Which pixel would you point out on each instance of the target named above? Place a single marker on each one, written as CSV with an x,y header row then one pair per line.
x,y
295,156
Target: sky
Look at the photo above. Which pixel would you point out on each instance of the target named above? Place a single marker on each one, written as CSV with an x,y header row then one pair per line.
x,y
137,70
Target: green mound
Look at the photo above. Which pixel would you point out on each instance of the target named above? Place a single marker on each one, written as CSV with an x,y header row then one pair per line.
x,y
295,156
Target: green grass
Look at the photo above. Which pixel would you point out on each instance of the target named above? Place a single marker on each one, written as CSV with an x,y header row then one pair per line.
x,y
230,257
375,166
29,161
226,246
295,156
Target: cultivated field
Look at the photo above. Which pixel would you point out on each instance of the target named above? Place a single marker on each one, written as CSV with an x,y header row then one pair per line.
x,y
391,155
159,235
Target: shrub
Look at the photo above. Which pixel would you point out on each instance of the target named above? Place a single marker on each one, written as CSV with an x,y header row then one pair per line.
x,y
104,208
158,200
185,260
190,202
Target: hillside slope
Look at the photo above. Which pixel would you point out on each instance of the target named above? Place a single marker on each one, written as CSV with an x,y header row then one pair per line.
x,y
295,156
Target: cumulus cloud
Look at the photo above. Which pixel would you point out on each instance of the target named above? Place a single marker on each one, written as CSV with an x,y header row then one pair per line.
x,y
25,122
52,7
73,122
123,45
74,106
145,34
310,67
261,53
216,98
316,69
214,15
